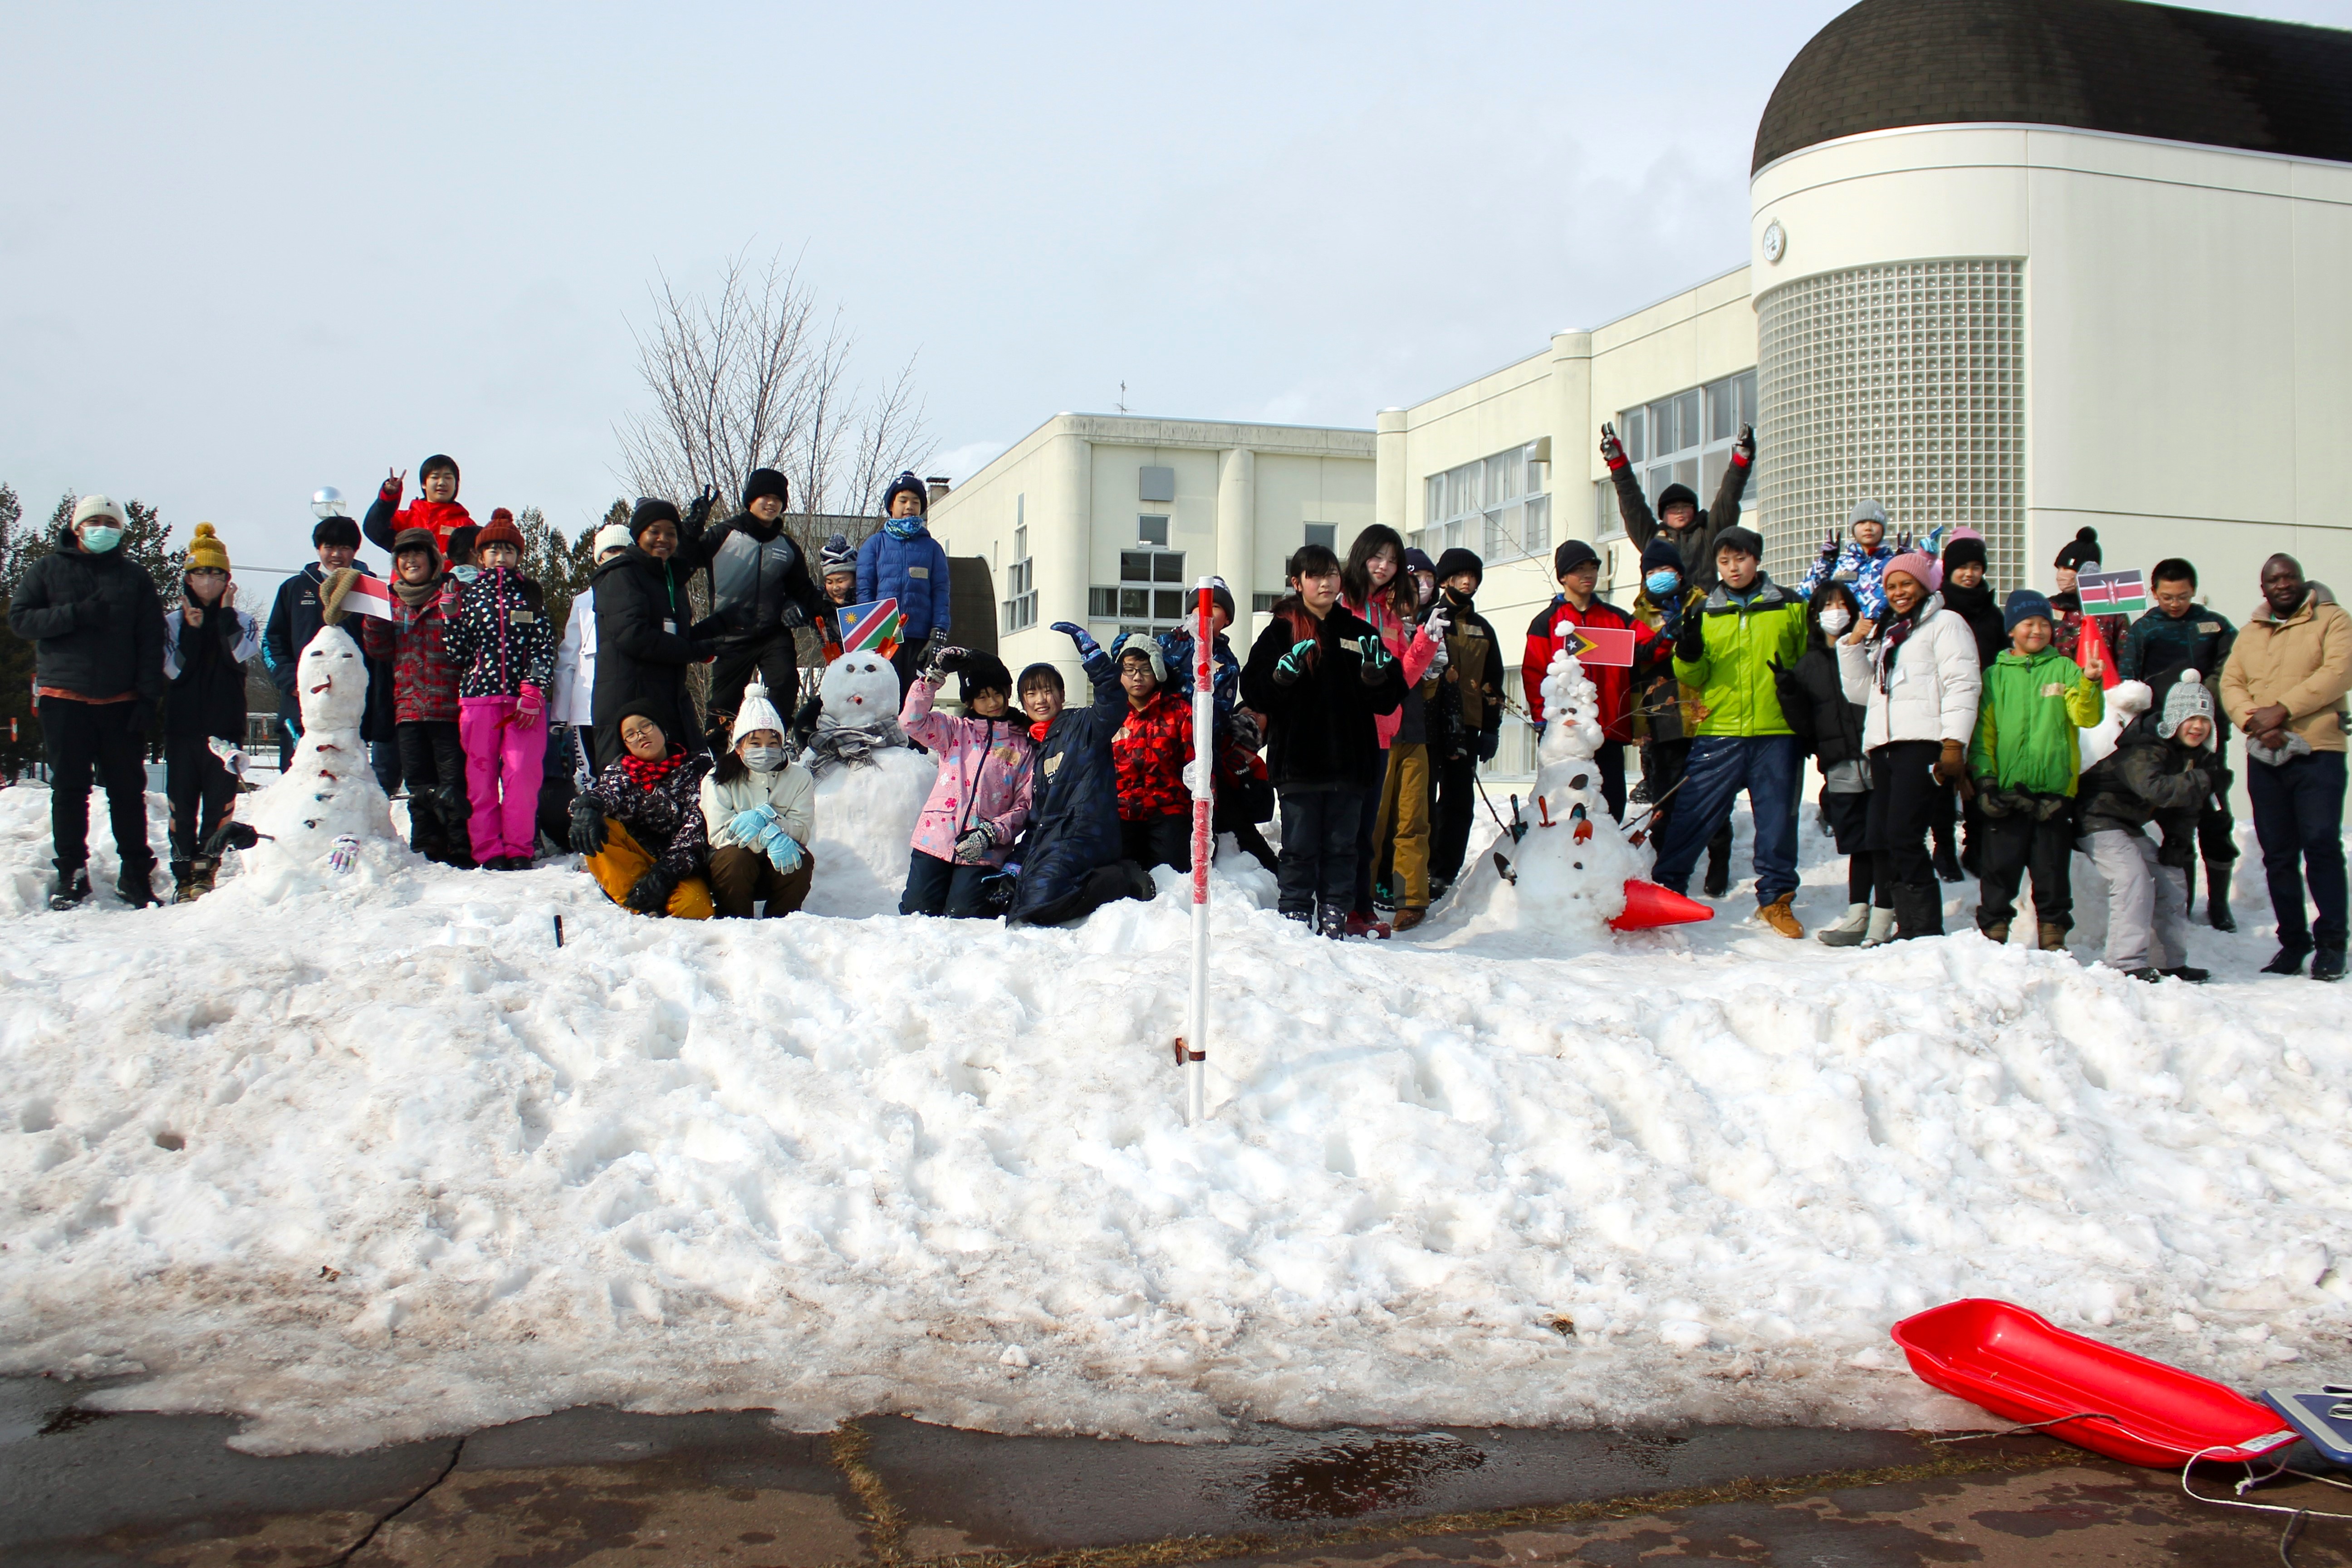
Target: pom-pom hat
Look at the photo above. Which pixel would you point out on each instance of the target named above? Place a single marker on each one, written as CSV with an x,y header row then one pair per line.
x,y
205,550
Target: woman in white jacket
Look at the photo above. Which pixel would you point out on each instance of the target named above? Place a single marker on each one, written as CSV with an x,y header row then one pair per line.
x,y
760,810
572,701
1919,678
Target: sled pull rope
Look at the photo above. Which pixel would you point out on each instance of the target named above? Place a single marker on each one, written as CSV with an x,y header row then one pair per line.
x,y
2295,1516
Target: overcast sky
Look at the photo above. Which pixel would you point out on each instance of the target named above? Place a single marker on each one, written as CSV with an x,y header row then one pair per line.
x,y
248,250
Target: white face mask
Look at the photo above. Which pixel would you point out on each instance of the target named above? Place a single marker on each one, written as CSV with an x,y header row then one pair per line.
x,y
763,759
1835,619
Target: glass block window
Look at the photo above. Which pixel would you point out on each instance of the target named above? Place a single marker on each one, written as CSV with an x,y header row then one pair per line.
x,y
1496,506
1150,596
1904,383
1684,439
1020,585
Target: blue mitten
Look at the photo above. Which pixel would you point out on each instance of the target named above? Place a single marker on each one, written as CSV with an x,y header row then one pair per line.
x,y
1087,646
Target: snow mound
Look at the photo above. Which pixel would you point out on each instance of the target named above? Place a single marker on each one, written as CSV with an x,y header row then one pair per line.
x,y
364,1161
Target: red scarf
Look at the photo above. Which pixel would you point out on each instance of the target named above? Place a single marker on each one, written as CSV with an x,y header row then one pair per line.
x,y
646,774
1037,730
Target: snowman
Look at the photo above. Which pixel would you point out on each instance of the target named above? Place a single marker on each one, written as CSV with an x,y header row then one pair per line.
x,y
2125,701
329,793
870,789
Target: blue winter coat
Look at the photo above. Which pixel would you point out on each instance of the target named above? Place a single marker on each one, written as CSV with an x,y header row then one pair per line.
x,y
1073,797
1858,569
912,571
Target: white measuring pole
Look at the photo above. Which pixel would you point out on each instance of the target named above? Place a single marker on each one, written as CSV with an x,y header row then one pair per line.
x,y
1204,849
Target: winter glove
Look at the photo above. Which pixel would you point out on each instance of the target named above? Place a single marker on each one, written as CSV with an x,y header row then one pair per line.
x,y
1292,665
1437,624
975,845
939,663
793,617
751,826
698,513
1376,661
1612,451
1087,646
332,593
1489,742
528,706
784,852
1953,765
1690,643
804,718
1743,451
1992,799
650,896
1830,546
1246,732
588,833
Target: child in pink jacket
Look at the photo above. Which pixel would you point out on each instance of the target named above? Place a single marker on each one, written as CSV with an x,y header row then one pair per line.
x,y
980,798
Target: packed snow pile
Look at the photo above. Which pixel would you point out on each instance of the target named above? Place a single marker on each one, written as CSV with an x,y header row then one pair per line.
x,y
368,1158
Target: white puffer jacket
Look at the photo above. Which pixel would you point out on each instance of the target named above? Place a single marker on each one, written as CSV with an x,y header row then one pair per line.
x,y
575,663
1930,694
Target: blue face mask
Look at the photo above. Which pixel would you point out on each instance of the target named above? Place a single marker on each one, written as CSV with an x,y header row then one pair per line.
x,y
98,540
465,574
1660,583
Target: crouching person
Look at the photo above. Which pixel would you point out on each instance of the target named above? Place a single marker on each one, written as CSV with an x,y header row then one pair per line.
x,y
1071,863
2162,773
640,824
759,807
2024,760
980,798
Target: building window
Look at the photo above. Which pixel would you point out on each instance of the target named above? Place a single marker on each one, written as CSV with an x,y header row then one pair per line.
x,y
1264,604
1150,596
1905,383
1684,439
1326,534
1496,506
1020,586
1151,530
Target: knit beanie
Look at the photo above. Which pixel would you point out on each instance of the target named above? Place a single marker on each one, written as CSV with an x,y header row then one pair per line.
x,y
1744,541
500,531
1142,643
755,712
1456,561
1223,596
2081,551
96,506
2189,698
437,460
1865,510
1916,565
611,536
1674,496
910,485
766,482
2024,603
409,539
982,672
836,554
1414,561
205,550
1659,555
1571,554
650,511
1967,549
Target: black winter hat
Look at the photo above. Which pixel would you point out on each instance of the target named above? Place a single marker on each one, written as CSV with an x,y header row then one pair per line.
x,y
1456,561
1659,555
437,460
2081,551
1746,540
982,672
1967,549
912,485
1040,672
1677,495
648,709
1571,554
766,482
650,511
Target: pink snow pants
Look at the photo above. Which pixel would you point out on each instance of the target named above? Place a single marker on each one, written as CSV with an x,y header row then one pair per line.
x,y
502,775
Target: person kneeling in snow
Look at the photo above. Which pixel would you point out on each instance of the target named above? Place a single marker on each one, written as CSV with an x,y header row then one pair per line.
x,y
1148,753
759,809
640,825
1070,863
2162,770
980,798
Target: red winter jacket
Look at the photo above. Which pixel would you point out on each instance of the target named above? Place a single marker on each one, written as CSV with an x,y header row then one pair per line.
x,y
1545,636
1150,752
440,518
424,676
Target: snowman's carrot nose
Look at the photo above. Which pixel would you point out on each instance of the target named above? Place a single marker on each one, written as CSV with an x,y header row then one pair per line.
x,y
320,687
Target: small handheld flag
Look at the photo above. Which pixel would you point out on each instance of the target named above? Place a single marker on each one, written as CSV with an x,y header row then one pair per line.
x,y
2112,592
368,596
1611,647
870,627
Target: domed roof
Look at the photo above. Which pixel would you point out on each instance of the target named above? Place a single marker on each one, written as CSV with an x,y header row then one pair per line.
x,y
2094,65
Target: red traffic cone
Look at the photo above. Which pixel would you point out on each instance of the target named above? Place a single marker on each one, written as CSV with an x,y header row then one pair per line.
x,y
1648,905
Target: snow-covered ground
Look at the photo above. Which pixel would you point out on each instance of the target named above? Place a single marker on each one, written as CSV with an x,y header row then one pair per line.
x,y
369,1157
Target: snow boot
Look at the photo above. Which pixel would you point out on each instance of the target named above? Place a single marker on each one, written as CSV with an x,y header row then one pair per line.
x,y
2053,937
1849,932
137,887
2327,963
1918,913
1781,918
1996,933
2288,959
1366,926
2188,973
183,882
1948,863
70,888
1718,873
207,871
1406,919
1334,924
1881,930
2217,895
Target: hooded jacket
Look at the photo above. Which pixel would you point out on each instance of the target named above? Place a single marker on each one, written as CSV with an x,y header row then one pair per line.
x,y
97,624
572,700
760,583
1742,637
2302,661
1073,797
2149,779
1320,732
1858,569
1815,707
1468,702
1697,542
2027,716
206,666
1925,689
983,778
1663,708
913,571
644,645
1149,751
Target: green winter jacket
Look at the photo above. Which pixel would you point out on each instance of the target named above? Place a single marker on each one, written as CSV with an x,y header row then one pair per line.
x,y
1740,639
2026,720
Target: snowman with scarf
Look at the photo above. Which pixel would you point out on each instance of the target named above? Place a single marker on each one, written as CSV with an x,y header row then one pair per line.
x,y
327,812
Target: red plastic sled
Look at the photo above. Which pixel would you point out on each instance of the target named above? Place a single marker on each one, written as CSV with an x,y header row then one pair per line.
x,y
2020,1364
1648,905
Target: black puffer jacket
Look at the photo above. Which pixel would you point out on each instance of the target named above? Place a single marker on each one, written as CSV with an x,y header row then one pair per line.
x,y
1696,543
295,617
2147,779
1812,701
96,622
1976,607
644,645
759,582
207,675
1073,797
1320,729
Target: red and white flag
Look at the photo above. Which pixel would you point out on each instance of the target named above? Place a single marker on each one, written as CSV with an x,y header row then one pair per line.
x,y
368,596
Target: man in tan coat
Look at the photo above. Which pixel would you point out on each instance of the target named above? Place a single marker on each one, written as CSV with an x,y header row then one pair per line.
x,y
2284,686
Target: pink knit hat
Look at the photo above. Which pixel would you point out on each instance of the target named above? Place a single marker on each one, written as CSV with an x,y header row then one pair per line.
x,y
1915,565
